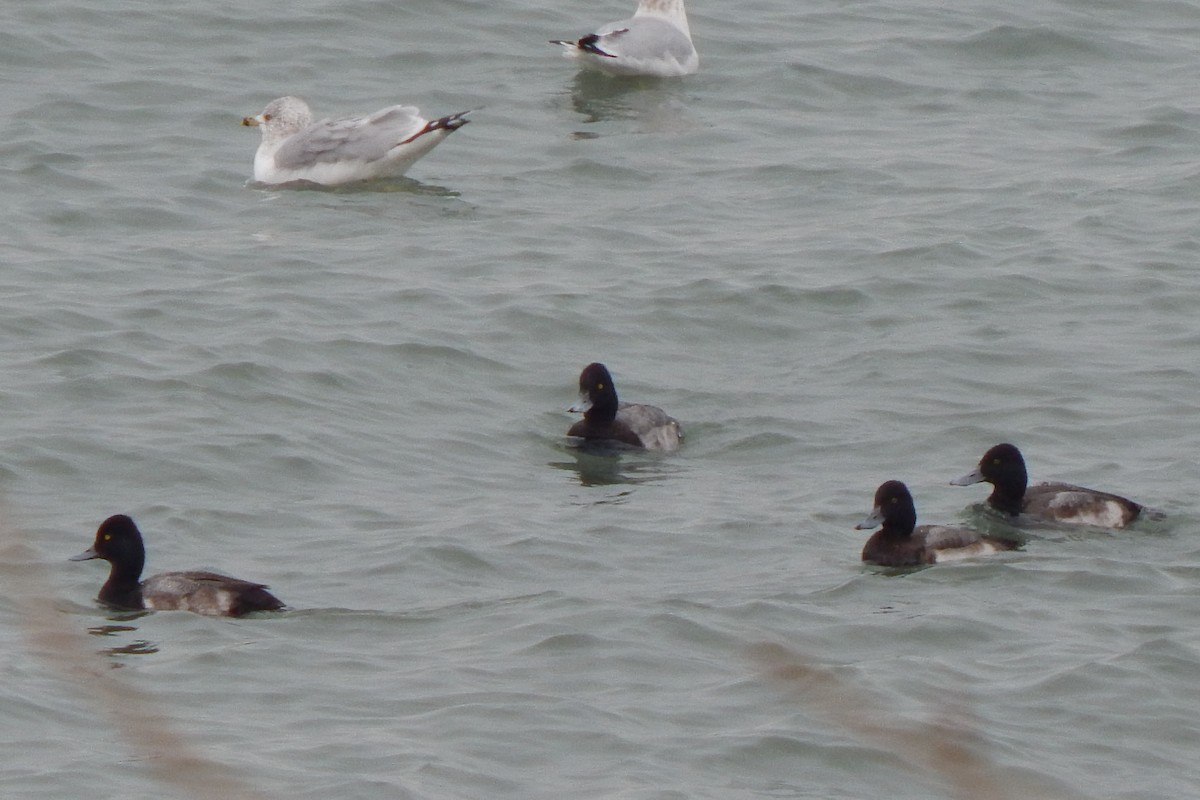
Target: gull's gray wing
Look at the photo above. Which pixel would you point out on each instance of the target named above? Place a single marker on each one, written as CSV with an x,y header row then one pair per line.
x,y
646,38
361,139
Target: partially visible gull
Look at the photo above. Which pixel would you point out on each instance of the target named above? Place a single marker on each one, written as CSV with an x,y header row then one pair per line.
x,y
337,151
655,42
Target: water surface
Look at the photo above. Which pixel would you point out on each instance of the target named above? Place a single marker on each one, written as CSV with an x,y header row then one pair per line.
x,y
865,242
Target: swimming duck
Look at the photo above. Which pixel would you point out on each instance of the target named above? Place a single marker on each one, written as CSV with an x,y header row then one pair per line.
x,y
606,419
902,543
119,542
1004,468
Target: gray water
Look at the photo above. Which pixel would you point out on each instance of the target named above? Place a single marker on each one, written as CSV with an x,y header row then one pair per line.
x,y
867,241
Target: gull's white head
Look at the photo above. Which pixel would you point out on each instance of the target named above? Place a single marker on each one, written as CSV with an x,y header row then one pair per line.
x,y
281,118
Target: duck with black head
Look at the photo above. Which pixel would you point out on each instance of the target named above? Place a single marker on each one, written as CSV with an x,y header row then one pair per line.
x,y
605,419
1004,468
119,542
902,543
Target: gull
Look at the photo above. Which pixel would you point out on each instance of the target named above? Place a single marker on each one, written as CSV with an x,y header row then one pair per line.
x,y
337,151
655,41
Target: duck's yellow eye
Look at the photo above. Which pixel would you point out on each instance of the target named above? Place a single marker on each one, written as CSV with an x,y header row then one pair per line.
x,y
107,537
996,461
599,385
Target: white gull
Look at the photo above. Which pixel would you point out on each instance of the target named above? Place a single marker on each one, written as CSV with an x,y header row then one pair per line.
x,y
655,41
337,151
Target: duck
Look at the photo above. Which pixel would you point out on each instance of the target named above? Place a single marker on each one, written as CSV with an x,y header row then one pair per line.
x,y
1003,467
605,419
902,543
333,152
655,42
119,542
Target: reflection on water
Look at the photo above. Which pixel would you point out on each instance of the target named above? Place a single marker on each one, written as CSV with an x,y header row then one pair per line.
x,y
613,464
138,647
656,104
